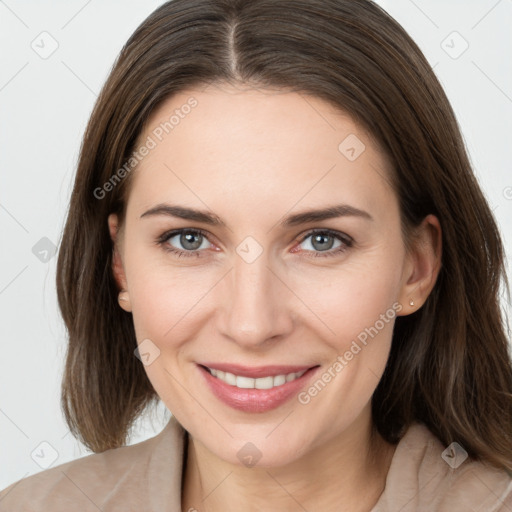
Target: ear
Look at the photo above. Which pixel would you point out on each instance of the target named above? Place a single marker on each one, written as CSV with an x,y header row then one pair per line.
x,y
117,263
422,266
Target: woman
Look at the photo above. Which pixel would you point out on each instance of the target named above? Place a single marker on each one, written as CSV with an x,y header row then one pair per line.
x,y
231,141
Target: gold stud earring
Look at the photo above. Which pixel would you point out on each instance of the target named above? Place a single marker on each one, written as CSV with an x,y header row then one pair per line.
x,y
411,303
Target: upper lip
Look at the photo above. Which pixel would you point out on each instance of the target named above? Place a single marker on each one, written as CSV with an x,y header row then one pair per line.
x,y
257,371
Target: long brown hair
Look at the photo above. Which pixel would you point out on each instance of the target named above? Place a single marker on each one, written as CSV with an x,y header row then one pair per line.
x,y
450,365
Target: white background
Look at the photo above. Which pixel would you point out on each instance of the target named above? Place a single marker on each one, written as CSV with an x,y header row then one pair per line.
x,y
44,107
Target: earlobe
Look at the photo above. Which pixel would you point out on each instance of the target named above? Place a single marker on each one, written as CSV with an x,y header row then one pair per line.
x,y
424,266
124,300
117,264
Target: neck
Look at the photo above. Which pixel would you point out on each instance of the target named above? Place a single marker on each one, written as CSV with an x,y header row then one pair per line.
x,y
347,473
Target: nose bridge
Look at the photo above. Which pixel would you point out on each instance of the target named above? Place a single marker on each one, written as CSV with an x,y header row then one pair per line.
x,y
256,307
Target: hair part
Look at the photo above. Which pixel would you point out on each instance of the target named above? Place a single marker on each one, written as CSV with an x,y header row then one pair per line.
x,y
450,363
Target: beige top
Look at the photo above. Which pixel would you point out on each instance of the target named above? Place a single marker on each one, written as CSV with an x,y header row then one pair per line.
x,y
147,476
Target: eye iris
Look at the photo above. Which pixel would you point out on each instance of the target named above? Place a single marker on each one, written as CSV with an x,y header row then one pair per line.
x,y
319,237
187,238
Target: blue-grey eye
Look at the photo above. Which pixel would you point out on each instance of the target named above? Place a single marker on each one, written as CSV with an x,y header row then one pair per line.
x,y
189,240
321,242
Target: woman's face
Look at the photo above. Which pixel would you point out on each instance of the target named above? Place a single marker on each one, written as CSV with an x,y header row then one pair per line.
x,y
255,293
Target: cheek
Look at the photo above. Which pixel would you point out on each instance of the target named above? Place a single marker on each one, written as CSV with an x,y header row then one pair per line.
x,y
167,310
349,300
164,295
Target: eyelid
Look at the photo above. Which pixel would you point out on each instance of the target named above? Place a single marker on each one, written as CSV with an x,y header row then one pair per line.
x,y
333,232
173,232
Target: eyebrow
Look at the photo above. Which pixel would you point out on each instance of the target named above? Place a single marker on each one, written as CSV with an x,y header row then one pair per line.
x,y
331,212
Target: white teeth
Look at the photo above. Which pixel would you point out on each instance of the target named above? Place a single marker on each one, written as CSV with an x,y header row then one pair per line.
x,y
250,383
244,382
279,380
264,383
230,379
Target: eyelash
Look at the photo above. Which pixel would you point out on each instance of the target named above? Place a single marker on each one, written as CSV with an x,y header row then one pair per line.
x,y
347,242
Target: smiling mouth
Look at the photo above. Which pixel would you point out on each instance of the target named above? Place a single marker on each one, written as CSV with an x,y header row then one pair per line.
x,y
255,389
242,382
243,377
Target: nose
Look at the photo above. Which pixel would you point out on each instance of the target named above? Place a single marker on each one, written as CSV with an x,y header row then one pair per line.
x,y
256,304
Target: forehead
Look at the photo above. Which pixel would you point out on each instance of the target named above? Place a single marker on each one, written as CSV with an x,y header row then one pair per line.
x,y
257,148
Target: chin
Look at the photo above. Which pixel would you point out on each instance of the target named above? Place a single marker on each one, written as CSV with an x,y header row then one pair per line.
x,y
252,445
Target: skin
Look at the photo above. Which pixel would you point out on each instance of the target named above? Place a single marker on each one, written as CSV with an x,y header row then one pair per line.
x,y
253,157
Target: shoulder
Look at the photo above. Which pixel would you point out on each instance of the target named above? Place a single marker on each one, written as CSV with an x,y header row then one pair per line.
x,y
126,477
425,475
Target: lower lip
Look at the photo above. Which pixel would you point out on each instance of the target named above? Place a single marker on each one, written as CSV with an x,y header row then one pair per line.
x,y
255,400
